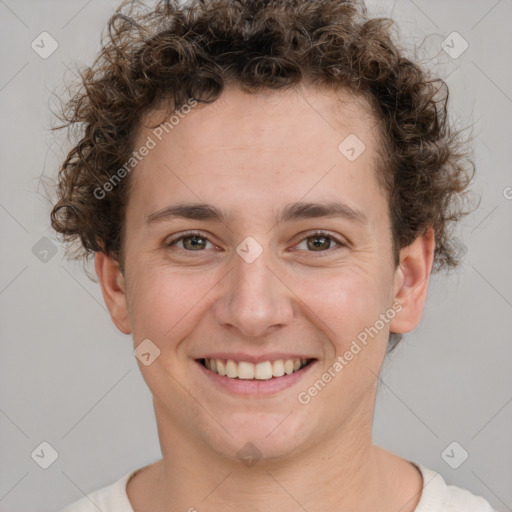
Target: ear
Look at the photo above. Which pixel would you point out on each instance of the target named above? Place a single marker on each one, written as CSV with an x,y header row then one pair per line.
x,y
411,282
113,288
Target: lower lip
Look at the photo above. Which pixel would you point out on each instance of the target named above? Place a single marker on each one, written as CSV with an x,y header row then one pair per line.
x,y
256,387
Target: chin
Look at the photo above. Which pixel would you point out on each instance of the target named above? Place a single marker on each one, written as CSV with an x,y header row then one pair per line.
x,y
259,437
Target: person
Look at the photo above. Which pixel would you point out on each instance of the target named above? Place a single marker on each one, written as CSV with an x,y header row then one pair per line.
x,y
266,187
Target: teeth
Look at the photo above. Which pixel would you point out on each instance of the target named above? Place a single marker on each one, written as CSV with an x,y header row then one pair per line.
x,y
221,369
248,371
245,370
278,368
263,371
288,366
231,369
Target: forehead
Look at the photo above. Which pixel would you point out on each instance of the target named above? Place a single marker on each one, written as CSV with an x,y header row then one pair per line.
x,y
251,117
261,148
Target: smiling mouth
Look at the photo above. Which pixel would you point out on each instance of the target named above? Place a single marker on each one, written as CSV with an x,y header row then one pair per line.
x,y
245,370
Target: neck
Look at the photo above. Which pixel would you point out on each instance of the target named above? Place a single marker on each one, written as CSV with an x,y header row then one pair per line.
x,y
344,471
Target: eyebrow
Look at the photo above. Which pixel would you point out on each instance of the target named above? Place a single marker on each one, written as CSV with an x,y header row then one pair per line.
x,y
291,212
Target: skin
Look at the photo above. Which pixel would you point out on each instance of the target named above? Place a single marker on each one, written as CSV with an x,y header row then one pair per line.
x,y
251,155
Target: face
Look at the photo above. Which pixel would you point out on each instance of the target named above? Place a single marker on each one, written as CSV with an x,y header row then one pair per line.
x,y
259,276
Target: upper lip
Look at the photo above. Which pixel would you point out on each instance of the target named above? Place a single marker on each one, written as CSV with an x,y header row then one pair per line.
x,y
238,356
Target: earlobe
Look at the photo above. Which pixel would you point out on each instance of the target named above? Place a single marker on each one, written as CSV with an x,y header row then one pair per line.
x,y
411,282
113,289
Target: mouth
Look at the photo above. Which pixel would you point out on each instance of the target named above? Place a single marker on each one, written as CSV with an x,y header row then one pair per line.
x,y
248,371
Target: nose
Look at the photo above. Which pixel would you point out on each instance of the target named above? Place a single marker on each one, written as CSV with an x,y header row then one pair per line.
x,y
254,299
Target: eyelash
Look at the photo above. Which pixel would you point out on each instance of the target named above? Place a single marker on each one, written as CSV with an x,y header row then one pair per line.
x,y
319,233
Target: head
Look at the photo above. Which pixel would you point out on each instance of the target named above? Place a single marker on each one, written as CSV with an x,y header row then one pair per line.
x,y
317,179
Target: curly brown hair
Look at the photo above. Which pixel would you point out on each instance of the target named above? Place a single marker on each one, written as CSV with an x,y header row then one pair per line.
x,y
171,53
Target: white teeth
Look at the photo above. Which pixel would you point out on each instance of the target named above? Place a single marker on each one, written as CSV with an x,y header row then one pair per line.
x,y
231,369
248,371
288,366
278,368
221,369
263,371
245,370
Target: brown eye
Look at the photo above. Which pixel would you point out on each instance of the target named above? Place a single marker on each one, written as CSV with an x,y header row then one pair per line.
x,y
193,242
190,242
320,242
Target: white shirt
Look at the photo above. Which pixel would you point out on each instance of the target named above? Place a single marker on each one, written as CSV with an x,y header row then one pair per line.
x,y
435,497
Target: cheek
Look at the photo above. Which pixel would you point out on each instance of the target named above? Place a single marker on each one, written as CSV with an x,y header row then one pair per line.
x,y
351,306
167,304
347,300
163,303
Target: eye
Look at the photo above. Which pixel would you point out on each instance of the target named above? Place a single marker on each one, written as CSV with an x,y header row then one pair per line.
x,y
320,241
192,241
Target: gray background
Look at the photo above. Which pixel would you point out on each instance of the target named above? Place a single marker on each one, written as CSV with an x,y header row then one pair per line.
x,y
69,378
